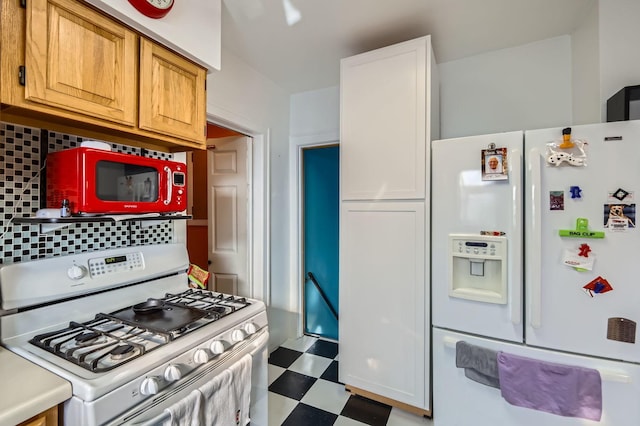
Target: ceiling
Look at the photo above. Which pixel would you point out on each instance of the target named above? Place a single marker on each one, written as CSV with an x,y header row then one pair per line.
x,y
298,43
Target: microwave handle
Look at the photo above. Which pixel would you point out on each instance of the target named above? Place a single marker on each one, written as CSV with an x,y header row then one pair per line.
x,y
167,200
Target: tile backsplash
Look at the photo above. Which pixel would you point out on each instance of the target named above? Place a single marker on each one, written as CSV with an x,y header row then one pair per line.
x,y
22,154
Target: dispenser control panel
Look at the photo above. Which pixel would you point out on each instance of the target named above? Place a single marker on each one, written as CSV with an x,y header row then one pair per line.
x,y
478,267
478,246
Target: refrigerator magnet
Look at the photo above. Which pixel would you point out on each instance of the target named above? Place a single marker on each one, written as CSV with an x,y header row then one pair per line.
x,y
621,329
494,163
597,286
574,259
569,152
556,200
581,231
620,195
619,217
576,192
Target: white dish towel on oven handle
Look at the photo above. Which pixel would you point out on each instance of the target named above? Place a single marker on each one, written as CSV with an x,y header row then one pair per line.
x,y
226,398
186,412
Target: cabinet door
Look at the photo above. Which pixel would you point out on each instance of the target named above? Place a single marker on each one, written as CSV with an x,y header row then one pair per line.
x,y
172,94
383,123
78,60
384,342
46,418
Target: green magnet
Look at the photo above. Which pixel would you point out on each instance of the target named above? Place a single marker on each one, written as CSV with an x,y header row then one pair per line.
x,y
581,231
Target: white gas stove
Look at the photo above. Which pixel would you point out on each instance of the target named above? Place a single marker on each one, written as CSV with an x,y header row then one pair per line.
x,y
128,333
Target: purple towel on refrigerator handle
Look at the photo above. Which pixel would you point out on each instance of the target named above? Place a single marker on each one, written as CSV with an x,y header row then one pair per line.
x,y
554,388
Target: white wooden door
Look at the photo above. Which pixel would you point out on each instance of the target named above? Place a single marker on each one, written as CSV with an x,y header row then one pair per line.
x,y
384,300
228,192
385,104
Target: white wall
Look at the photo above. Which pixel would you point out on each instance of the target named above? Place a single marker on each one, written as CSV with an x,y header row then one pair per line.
x,y
619,41
198,21
586,70
244,99
314,120
525,87
316,114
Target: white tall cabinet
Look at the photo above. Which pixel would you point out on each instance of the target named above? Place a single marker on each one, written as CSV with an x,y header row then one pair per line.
x,y
388,116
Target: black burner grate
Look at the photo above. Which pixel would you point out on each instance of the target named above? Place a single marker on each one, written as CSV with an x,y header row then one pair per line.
x,y
98,345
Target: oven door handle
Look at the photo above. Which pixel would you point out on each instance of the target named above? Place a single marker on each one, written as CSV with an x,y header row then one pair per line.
x,y
163,417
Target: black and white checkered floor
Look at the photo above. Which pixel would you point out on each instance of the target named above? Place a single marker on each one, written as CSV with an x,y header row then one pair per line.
x,y
304,390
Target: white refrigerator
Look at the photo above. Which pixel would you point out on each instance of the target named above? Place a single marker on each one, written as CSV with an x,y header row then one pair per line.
x,y
537,259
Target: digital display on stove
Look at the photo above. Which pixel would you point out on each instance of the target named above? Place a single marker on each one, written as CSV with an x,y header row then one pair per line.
x,y
115,259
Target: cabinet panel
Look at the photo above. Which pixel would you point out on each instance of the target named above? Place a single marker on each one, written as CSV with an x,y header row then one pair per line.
x,y
384,97
79,60
46,418
384,343
172,96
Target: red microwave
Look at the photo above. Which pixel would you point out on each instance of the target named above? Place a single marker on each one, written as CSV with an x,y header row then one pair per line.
x,y
96,181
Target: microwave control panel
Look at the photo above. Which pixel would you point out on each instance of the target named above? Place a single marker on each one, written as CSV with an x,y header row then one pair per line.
x,y
115,264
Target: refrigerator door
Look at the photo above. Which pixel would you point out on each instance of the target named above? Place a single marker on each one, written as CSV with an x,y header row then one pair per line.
x,y
459,401
477,279
560,313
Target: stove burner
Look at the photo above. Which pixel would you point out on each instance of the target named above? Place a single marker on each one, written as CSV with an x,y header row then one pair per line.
x,y
87,339
122,352
111,340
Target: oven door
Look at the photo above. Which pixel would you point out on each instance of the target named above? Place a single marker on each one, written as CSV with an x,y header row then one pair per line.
x,y
153,411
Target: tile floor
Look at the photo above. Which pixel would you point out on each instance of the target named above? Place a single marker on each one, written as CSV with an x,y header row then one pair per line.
x,y
304,390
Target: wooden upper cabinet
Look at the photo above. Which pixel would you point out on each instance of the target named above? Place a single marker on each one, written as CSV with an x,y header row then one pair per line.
x,y
172,95
68,67
79,60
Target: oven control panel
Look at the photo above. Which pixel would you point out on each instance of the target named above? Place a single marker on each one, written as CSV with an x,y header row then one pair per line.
x,y
204,355
115,264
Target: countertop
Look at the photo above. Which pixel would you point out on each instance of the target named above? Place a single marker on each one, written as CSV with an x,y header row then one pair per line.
x,y
27,389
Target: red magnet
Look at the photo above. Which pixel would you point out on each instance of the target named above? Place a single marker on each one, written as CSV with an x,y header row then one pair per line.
x,y
598,286
584,250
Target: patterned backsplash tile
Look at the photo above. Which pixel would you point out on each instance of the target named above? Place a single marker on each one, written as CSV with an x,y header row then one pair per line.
x,y
22,154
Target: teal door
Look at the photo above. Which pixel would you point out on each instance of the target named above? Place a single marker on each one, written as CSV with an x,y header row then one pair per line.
x,y
321,212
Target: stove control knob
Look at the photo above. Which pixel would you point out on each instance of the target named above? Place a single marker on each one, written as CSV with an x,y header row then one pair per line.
x,y
172,373
217,347
201,356
250,328
150,386
238,335
76,272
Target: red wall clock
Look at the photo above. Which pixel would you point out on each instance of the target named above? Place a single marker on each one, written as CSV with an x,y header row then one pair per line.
x,y
153,8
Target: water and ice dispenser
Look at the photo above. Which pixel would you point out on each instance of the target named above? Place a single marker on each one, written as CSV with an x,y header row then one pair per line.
x,y
478,267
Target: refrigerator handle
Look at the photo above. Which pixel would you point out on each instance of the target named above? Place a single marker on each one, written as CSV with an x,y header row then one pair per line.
x,y
605,374
534,239
515,247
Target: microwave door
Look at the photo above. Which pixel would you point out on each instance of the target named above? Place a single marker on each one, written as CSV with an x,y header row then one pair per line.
x,y
136,183
145,187
124,191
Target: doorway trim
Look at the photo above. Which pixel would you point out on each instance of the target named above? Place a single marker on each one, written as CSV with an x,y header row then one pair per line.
x,y
258,212
296,146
